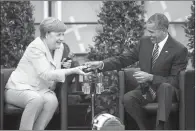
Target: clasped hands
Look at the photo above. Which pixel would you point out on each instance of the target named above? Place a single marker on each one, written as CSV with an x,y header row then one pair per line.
x,y
87,68
140,76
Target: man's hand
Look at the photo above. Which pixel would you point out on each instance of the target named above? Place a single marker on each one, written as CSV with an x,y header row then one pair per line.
x,y
142,76
66,64
94,64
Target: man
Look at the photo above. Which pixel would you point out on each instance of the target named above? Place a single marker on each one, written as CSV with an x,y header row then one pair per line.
x,y
161,58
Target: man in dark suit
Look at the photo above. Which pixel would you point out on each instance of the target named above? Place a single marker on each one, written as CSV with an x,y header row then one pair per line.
x,y
161,58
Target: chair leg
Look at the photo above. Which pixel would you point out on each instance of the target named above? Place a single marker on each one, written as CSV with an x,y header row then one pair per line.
x,y
64,109
121,94
1,122
1,101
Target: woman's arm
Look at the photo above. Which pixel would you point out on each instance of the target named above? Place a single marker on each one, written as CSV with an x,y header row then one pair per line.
x,y
43,67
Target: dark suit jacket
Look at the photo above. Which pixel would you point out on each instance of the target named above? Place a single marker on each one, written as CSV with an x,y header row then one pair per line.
x,y
172,59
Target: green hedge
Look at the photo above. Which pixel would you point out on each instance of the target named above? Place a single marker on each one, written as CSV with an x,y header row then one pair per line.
x,y
190,33
122,25
17,30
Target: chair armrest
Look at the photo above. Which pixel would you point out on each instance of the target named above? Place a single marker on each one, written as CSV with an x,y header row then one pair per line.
x,y
64,105
187,97
126,83
121,94
1,100
130,81
77,83
64,102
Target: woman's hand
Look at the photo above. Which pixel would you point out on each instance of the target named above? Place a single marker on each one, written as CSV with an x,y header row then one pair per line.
x,y
79,70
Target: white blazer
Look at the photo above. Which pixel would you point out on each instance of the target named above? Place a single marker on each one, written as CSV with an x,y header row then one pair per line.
x,y
37,69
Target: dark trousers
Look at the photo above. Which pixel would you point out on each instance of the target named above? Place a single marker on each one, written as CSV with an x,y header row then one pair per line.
x,y
133,102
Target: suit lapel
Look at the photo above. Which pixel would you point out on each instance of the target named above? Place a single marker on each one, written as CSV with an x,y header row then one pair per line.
x,y
58,53
166,50
148,54
49,56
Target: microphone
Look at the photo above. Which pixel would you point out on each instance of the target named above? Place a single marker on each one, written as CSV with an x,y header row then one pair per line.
x,y
68,58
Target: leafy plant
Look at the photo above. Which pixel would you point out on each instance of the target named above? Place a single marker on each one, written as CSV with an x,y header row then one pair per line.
x,y
190,33
122,25
17,30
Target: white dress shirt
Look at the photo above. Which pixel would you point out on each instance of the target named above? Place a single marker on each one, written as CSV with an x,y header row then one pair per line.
x,y
161,44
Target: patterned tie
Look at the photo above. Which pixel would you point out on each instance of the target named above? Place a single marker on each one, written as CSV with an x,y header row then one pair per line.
x,y
155,54
146,89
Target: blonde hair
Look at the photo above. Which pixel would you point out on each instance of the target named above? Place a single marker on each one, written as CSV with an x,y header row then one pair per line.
x,y
51,24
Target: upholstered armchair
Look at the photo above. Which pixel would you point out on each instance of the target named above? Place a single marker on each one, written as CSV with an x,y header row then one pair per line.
x,y
183,112
7,109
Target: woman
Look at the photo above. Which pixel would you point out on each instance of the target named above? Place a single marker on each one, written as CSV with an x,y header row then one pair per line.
x,y
29,86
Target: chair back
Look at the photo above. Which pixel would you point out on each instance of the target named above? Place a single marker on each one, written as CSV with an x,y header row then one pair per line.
x,y
6,72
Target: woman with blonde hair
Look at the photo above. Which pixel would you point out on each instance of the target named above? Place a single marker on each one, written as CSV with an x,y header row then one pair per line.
x,y
30,85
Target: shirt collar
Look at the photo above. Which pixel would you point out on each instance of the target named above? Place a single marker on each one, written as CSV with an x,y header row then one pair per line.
x,y
162,43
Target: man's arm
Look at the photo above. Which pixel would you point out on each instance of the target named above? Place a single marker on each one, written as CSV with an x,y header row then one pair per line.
x,y
179,63
123,60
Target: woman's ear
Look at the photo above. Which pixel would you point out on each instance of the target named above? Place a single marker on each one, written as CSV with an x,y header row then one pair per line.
x,y
47,33
46,36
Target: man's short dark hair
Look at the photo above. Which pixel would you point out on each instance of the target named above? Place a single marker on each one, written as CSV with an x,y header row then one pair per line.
x,y
160,20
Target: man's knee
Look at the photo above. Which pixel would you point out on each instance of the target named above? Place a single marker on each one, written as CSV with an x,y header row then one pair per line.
x,y
166,86
166,89
128,98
